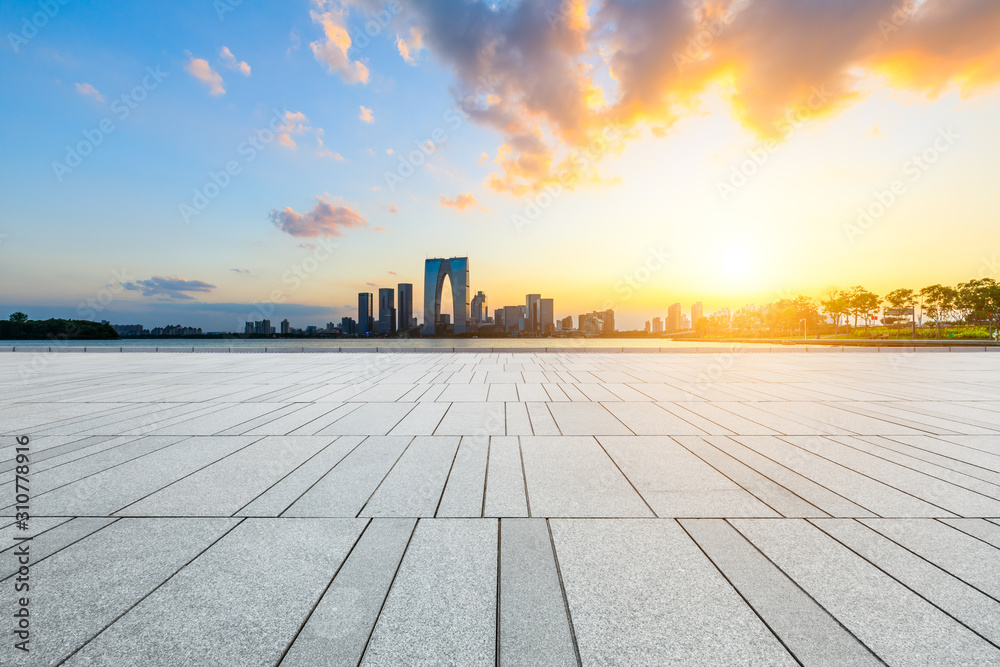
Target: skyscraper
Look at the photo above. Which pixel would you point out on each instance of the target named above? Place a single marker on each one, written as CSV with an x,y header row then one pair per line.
x,y
511,317
498,318
365,323
674,318
657,325
479,308
387,311
405,306
696,313
531,314
285,326
546,317
567,323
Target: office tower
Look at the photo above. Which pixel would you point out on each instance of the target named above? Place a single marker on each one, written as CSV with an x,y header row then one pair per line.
x,y
531,314
285,326
405,306
674,318
365,323
249,328
685,323
511,315
696,313
599,321
647,326
456,269
657,325
479,308
498,317
387,311
348,326
546,316
567,323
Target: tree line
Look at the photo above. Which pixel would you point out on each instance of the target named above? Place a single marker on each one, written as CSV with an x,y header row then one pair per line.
x,y
976,302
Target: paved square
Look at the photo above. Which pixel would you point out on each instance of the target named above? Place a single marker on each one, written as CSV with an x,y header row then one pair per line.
x,y
512,509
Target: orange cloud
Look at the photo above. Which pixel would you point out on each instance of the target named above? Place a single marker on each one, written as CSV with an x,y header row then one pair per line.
x,y
366,115
201,70
529,70
462,202
333,49
229,60
325,219
87,90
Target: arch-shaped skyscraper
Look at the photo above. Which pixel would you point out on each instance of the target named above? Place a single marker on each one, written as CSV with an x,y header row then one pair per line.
x,y
457,270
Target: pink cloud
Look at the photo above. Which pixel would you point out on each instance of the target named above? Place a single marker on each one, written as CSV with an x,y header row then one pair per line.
x,y
325,219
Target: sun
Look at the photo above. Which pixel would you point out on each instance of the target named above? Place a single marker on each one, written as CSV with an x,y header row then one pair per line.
x,y
737,261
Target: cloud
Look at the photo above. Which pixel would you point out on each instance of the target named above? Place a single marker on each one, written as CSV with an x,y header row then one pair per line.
x,y
567,82
372,284
240,270
169,288
201,70
410,46
333,49
366,115
393,209
229,60
324,219
392,273
461,202
295,124
323,151
87,90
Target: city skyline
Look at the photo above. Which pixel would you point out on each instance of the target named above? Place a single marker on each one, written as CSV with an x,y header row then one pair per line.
x,y
205,170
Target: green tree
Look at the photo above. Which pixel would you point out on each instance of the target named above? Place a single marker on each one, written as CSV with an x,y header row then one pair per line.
x,y
18,317
862,303
901,298
938,300
980,300
835,305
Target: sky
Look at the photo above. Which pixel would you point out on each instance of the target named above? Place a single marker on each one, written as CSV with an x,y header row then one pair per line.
x,y
205,163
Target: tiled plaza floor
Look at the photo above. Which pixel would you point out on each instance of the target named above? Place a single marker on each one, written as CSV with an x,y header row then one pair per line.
x,y
514,509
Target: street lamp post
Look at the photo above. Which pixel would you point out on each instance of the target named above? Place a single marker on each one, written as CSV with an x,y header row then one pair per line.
x,y
805,329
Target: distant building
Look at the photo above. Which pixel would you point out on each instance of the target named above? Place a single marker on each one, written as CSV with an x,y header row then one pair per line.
x,y
129,329
310,329
480,308
657,325
249,329
567,323
511,316
348,326
405,306
176,330
697,312
365,321
285,326
263,327
546,317
599,321
685,323
532,303
387,311
674,318
498,317
647,326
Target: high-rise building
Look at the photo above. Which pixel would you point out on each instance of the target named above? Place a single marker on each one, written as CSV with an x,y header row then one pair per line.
x,y
599,321
263,327
348,326
365,320
511,316
532,314
647,326
546,317
457,271
657,325
387,311
567,323
498,317
405,306
285,326
697,312
480,308
674,318
685,323
249,329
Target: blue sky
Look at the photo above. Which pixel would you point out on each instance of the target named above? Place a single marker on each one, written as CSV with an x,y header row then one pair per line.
x,y
657,187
